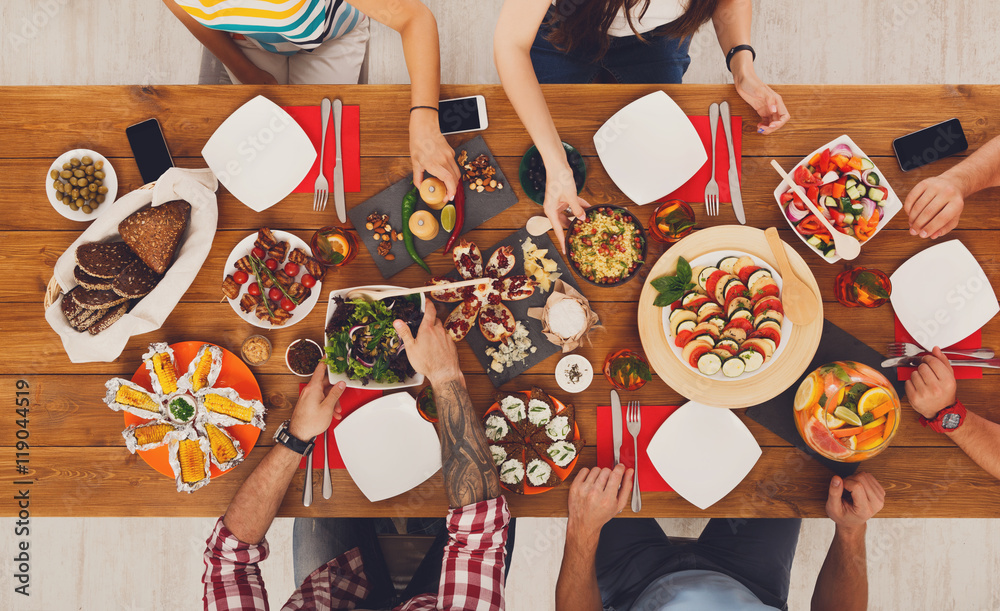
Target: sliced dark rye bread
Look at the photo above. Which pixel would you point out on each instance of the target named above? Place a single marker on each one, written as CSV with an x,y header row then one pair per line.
x,y
97,300
110,318
92,283
104,259
86,319
530,454
135,281
155,233
70,308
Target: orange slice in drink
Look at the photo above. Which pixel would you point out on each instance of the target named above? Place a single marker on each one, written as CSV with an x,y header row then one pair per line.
x,y
870,444
808,393
871,399
338,244
832,422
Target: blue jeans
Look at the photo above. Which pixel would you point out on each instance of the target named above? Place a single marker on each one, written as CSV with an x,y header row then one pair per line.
x,y
630,61
316,541
758,553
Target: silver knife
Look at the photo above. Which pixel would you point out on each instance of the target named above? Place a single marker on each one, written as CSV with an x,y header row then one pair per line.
x,y
307,490
338,170
616,424
327,482
734,176
914,361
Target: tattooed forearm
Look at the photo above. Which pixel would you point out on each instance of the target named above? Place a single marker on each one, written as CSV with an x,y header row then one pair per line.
x,y
469,473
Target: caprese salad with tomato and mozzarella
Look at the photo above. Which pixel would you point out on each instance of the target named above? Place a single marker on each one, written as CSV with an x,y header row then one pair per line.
x,y
731,321
845,186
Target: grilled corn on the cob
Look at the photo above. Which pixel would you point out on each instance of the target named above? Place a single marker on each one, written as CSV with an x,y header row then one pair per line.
x,y
127,395
223,405
223,447
151,433
192,460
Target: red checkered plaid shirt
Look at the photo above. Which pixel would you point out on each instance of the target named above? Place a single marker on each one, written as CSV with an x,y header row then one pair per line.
x,y
472,572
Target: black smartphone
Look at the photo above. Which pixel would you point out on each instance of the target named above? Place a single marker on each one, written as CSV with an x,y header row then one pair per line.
x,y
930,144
149,148
460,115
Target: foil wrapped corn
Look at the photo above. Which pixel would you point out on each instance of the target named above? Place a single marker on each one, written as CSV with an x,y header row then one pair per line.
x,y
203,371
225,407
127,396
189,458
147,436
160,364
226,451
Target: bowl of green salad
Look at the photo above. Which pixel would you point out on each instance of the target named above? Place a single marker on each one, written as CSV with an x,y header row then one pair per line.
x,y
362,348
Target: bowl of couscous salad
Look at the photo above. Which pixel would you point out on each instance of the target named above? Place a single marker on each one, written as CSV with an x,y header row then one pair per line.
x,y
608,247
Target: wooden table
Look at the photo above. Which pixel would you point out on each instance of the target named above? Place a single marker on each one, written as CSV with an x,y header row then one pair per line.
x,y
77,460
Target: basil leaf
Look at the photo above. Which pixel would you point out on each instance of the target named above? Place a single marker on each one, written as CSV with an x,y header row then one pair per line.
x,y
663,283
663,300
683,270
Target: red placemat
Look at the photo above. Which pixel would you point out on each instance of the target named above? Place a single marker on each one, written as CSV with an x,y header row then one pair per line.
x,y
652,417
308,117
351,400
961,373
694,189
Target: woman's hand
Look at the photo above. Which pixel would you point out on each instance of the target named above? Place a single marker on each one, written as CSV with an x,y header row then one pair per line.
x,y
764,100
560,195
430,152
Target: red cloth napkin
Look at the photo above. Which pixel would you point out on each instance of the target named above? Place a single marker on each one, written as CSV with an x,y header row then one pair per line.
x,y
351,400
694,189
652,417
961,373
308,117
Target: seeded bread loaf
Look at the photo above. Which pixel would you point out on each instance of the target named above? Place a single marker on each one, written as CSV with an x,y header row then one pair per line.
x,y
154,234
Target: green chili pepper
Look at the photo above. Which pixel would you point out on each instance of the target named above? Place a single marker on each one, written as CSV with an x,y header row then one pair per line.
x,y
409,205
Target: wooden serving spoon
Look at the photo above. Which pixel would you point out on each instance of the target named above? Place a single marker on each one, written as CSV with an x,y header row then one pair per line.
x,y
372,295
797,299
847,246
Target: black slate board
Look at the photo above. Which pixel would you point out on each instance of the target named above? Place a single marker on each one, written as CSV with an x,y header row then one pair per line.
x,y
479,208
546,348
834,345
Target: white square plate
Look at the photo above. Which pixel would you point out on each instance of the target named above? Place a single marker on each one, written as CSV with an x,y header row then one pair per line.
x,y
650,148
703,452
387,447
416,380
942,295
889,210
259,153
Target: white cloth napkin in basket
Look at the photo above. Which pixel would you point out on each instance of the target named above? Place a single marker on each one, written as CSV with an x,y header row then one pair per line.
x,y
197,187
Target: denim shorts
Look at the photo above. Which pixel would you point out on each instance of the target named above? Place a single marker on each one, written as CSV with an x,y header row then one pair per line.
x,y
658,60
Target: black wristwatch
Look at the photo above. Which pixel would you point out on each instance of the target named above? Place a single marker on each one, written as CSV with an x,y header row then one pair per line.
x,y
292,442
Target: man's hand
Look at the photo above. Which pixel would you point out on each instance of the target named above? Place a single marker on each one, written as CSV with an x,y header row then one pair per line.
x,y
430,152
596,496
934,206
560,196
867,499
318,405
432,352
932,386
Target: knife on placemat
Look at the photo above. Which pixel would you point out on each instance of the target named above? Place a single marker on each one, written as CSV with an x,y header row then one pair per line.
x,y
734,176
616,424
338,170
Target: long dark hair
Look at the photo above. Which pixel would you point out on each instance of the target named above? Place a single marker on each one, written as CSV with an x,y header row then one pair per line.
x,y
583,24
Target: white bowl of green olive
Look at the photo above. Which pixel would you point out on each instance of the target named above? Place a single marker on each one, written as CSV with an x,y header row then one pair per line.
x,y
81,184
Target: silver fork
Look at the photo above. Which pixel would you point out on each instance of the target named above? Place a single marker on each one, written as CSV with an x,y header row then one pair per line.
x,y
634,424
712,188
322,188
898,349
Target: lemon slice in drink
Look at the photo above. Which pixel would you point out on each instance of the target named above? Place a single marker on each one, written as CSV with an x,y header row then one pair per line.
x,y
832,422
808,393
872,398
448,217
847,415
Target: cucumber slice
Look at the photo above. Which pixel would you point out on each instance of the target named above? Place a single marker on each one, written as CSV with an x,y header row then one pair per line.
x,y
705,273
853,192
709,363
684,325
727,263
733,367
729,344
866,164
757,275
752,359
814,242
741,312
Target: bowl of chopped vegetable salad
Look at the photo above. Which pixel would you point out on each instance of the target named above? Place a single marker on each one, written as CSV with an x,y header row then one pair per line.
x,y
850,190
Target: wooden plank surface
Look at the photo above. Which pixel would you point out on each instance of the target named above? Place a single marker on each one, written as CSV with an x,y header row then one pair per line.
x,y
77,456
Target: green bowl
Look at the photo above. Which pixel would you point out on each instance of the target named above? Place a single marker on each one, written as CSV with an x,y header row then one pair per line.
x,y
538,195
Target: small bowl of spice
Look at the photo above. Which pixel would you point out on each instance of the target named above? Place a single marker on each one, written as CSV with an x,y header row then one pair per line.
x,y
181,408
303,356
256,350
574,373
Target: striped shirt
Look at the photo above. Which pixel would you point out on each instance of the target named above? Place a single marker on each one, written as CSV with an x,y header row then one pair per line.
x,y
278,26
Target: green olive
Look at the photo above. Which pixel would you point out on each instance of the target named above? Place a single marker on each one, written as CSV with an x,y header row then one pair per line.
x,y
73,180
100,199
78,173
74,162
87,160
75,193
86,209
65,174
88,170
98,165
54,174
99,174
92,188
66,166
73,206
94,204
58,186
79,201
102,189
82,182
